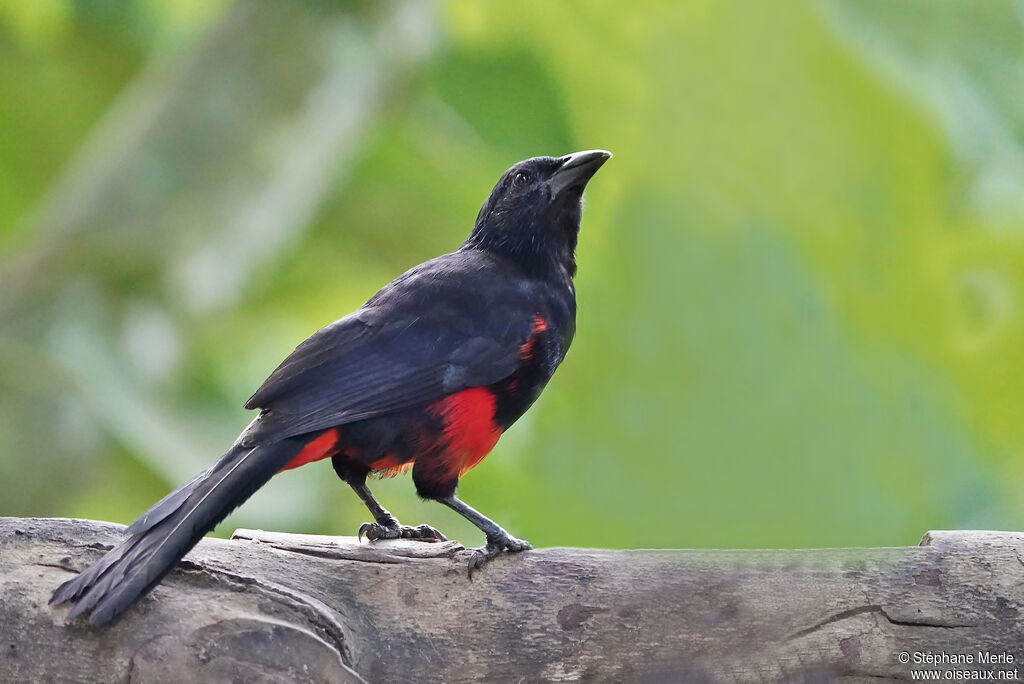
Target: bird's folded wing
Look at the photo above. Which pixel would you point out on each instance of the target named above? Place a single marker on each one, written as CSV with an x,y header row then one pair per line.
x,y
360,367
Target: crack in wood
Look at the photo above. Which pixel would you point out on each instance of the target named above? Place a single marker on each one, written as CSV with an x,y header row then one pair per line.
x,y
877,609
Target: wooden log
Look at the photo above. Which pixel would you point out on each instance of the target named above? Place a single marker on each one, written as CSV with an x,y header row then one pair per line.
x,y
284,607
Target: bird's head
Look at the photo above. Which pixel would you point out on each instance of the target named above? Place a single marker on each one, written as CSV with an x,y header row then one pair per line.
x,y
533,213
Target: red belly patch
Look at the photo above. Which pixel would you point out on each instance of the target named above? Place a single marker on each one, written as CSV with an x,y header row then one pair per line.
x,y
324,446
469,432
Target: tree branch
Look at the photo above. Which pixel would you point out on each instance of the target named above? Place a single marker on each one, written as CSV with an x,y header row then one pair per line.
x,y
327,609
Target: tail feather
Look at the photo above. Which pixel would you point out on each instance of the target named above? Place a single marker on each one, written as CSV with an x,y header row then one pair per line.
x,y
168,530
167,505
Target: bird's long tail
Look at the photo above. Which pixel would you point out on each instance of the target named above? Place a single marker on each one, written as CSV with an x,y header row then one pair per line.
x,y
162,535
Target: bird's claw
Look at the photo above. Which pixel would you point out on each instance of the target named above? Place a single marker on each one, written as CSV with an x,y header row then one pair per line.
x,y
493,548
375,531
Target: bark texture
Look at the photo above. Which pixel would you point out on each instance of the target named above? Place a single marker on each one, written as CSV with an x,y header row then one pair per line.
x,y
285,607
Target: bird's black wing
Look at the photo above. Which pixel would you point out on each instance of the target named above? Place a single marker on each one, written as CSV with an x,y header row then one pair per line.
x,y
437,330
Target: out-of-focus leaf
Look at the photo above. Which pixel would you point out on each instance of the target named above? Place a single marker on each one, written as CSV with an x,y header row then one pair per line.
x,y
962,61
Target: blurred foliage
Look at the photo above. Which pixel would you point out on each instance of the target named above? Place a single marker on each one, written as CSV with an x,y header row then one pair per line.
x,y
800,277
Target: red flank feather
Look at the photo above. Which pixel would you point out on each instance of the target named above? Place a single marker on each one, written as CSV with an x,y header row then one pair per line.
x,y
324,446
470,432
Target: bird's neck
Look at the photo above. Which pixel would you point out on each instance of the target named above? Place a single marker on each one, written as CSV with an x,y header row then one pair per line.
x,y
539,257
545,251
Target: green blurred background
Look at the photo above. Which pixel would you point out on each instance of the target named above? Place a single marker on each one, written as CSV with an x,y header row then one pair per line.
x,y
800,286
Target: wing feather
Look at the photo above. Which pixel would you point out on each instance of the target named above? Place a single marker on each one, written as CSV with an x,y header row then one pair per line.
x,y
425,336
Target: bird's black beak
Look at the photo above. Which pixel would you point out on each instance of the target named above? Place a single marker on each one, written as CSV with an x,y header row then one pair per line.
x,y
576,169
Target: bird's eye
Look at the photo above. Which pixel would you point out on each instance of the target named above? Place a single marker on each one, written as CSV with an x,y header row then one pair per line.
x,y
521,178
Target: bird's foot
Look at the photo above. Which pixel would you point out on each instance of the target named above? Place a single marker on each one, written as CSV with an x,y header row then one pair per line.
x,y
495,545
374,531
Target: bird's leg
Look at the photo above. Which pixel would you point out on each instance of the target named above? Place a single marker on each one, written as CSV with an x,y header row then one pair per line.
x,y
387,525
498,540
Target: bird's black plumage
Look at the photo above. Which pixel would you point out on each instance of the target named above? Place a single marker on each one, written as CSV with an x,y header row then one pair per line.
x,y
426,374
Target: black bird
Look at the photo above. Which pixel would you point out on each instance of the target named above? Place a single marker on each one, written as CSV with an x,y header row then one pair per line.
x,y
426,375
